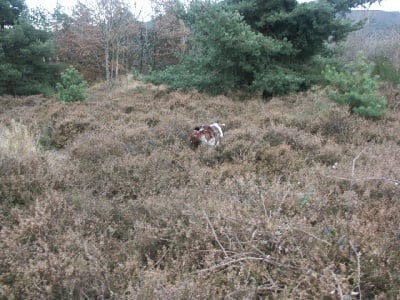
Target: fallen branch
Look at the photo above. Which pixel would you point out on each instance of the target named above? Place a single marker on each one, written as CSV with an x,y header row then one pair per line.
x,y
248,257
358,257
394,181
313,236
215,234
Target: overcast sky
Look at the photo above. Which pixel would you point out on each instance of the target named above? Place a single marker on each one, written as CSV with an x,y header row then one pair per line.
x,y
144,5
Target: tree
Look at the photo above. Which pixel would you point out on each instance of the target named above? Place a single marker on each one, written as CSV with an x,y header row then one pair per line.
x,y
10,10
25,60
355,86
72,86
168,34
97,37
78,42
257,45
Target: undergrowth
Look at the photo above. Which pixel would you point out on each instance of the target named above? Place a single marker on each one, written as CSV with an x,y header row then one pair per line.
x,y
106,199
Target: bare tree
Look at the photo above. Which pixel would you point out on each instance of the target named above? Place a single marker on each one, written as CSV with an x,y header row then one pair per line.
x,y
169,34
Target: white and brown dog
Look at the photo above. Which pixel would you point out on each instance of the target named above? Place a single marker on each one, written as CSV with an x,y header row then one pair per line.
x,y
210,135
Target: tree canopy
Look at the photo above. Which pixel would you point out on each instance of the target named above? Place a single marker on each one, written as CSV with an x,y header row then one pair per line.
x,y
273,46
10,10
25,55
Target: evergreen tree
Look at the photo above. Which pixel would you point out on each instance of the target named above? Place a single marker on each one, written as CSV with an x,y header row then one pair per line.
x,y
10,10
257,45
25,59
72,86
356,86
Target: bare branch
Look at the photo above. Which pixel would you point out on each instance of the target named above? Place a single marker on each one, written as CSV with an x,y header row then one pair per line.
x,y
215,234
394,181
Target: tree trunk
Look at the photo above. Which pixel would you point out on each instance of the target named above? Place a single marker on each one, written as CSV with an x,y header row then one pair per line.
x,y
107,58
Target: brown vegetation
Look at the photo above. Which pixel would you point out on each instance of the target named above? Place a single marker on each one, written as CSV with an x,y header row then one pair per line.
x,y
105,199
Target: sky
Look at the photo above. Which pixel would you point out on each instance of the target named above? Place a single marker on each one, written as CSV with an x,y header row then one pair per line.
x,y
144,5
387,5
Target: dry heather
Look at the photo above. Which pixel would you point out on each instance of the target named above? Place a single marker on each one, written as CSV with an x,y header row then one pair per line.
x,y
106,199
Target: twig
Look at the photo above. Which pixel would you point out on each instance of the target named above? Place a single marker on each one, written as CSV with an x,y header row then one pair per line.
x,y
314,236
338,285
394,181
354,163
350,200
358,257
215,234
162,257
230,261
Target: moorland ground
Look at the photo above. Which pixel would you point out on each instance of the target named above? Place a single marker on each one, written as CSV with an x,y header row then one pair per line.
x,y
106,198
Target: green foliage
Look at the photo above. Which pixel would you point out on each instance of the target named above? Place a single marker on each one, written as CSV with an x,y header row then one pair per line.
x,y
344,6
355,86
386,70
305,198
72,86
25,63
255,45
10,10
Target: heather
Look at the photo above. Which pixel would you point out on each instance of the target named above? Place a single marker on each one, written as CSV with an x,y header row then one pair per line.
x,y
106,199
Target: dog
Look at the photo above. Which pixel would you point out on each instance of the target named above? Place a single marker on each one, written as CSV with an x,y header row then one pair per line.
x,y
210,135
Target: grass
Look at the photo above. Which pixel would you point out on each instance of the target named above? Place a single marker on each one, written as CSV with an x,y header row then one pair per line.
x,y
106,199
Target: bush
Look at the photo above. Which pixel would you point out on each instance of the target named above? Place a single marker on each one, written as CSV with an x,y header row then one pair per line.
x,y
355,86
72,85
386,71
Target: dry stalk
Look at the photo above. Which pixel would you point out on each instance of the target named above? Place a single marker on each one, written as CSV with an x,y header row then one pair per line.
x,y
313,236
358,254
389,180
338,286
358,258
235,259
215,234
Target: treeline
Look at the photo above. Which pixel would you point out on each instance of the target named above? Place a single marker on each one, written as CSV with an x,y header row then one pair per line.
x,y
103,40
106,39
272,47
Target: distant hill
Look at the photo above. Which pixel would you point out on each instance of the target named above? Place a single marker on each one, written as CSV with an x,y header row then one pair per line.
x,y
380,36
377,21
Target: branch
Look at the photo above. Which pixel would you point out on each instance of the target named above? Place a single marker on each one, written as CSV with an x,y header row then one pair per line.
x,y
394,181
358,257
215,234
312,235
248,257
341,297
354,163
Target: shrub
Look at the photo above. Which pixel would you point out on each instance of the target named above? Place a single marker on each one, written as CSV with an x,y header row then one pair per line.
x,y
72,85
386,70
355,86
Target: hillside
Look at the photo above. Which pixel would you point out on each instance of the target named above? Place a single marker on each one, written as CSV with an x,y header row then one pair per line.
x,y
377,21
380,36
106,199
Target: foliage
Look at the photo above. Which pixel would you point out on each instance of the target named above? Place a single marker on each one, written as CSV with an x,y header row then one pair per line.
x,y
25,60
386,70
344,6
255,45
72,86
10,10
123,208
98,38
356,86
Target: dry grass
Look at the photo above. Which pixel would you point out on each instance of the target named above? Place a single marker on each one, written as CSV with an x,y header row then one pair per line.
x,y
107,200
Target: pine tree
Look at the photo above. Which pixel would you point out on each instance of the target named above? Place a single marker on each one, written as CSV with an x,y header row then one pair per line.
x,y
25,58
10,10
356,86
72,86
257,45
